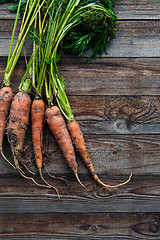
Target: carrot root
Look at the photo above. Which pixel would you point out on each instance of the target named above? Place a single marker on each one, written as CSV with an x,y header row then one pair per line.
x,y
32,179
49,185
78,140
7,159
16,162
27,177
108,187
59,178
79,179
29,170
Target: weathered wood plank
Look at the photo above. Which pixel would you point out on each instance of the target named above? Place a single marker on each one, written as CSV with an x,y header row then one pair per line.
x,y
112,76
5,13
49,204
139,185
6,27
122,135
133,39
5,43
110,155
80,226
112,115
125,9
140,195
133,9
106,76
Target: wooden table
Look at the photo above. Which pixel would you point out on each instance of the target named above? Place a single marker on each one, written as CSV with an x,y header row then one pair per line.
x,y
116,100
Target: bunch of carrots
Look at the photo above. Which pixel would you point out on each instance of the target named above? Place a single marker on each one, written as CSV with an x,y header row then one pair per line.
x,y
55,27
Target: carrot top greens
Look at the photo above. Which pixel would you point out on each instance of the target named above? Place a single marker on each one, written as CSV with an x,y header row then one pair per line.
x,y
81,26
31,10
94,27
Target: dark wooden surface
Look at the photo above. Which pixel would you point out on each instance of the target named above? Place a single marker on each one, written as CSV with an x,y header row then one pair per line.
x,y
116,100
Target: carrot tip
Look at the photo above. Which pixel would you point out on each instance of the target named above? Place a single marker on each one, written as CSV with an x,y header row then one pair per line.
x,y
79,180
118,185
121,184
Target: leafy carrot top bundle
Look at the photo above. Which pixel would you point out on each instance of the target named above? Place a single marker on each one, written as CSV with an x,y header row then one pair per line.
x,y
63,27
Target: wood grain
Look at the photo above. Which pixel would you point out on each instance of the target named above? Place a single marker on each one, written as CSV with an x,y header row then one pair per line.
x,y
140,195
117,115
80,226
111,76
133,9
139,186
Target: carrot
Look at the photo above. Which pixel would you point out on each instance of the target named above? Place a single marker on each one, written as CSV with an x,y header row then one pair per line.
x,y
5,102
18,121
37,117
58,127
78,139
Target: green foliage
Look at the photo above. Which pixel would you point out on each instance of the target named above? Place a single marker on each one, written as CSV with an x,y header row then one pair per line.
x,y
7,1
15,7
62,80
94,31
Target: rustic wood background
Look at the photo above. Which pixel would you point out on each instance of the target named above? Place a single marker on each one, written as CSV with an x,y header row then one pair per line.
x,y
116,100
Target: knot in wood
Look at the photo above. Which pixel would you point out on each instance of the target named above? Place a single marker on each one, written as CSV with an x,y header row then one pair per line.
x,y
93,228
120,126
154,227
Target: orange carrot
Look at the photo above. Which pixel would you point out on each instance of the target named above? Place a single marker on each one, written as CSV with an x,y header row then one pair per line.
x,y
18,121
58,127
37,117
5,102
78,140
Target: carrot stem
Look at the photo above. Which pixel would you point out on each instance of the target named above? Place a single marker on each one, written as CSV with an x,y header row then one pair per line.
x,y
13,32
33,11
